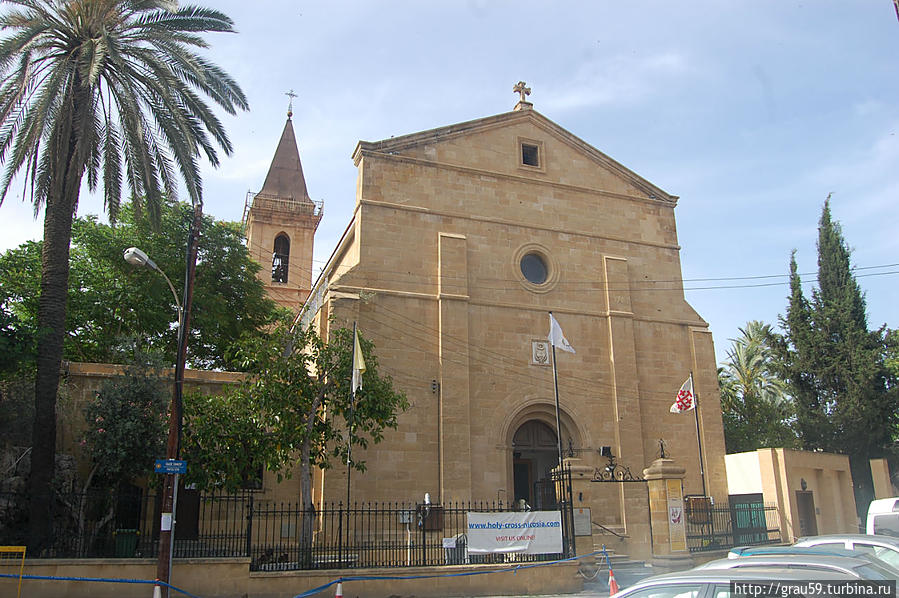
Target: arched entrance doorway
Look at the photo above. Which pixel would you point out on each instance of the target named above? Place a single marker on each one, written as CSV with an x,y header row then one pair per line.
x,y
534,454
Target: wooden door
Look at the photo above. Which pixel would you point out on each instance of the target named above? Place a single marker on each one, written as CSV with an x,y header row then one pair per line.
x,y
805,502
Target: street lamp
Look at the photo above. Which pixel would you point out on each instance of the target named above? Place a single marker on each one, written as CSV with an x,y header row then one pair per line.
x,y
136,257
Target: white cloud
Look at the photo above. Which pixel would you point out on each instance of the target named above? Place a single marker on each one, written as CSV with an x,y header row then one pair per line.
x,y
623,79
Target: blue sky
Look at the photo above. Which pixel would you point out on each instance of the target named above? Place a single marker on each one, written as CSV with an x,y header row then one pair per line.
x,y
751,111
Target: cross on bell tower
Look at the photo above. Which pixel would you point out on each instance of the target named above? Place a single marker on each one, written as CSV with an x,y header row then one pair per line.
x,y
290,94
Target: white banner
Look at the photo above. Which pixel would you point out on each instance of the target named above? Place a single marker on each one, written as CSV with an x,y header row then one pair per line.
x,y
528,532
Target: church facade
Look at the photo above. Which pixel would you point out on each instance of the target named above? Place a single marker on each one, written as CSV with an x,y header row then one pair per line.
x,y
462,240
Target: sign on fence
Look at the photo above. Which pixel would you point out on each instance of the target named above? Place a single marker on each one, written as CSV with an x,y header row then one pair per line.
x,y
529,532
583,524
677,530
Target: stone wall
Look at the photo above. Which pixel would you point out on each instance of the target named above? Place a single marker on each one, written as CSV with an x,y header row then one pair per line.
x,y
231,578
81,382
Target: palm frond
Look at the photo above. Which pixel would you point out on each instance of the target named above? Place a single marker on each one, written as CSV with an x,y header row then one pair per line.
x,y
63,60
188,18
112,171
12,48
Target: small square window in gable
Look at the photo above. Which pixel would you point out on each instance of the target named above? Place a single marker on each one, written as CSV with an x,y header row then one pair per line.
x,y
530,155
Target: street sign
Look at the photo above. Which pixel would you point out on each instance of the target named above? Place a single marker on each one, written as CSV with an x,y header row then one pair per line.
x,y
167,466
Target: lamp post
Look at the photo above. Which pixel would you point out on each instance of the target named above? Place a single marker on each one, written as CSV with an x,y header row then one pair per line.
x,y
136,257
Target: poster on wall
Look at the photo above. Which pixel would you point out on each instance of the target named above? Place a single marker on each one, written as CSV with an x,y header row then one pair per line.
x,y
529,532
583,524
677,528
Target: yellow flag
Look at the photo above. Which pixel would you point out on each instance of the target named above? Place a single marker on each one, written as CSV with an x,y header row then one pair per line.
x,y
358,363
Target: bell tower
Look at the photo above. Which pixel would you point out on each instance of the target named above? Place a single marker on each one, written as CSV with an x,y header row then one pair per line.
x,y
280,223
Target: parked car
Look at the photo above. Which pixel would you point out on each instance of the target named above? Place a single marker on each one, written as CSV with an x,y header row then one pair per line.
x,y
739,551
810,564
885,548
883,517
715,583
835,549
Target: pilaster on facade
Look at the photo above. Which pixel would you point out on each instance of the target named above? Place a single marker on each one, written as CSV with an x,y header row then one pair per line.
x,y
622,354
454,400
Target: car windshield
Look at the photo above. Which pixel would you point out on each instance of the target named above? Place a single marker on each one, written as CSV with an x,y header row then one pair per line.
x,y
888,555
673,590
874,571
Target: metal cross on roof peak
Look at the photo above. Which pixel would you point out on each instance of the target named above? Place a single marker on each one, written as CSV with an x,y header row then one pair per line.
x,y
290,94
522,89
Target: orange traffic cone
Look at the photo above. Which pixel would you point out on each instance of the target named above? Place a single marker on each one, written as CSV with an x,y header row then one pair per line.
x,y
339,593
613,585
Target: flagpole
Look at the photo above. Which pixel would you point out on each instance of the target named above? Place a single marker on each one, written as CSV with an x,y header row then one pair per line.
x,y
556,389
349,443
698,435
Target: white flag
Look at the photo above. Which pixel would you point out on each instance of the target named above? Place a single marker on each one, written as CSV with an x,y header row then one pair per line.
x,y
556,338
684,401
358,364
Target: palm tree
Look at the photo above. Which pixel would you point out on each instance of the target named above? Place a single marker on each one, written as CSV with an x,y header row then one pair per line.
x,y
110,89
754,403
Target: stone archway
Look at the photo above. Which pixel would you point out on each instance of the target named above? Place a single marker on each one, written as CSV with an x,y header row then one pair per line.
x,y
529,433
534,454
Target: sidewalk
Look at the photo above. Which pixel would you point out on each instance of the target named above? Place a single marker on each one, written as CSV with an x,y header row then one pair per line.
x,y
597,588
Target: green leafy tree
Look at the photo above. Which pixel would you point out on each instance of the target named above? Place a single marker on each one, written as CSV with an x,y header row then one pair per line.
x,y
15,339
110,302
126,428
835,368
892,355
292,410
227,441
109,90
16,377
756,410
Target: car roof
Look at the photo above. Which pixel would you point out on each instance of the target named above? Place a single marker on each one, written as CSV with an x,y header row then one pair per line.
x,y
708,576
871,538
793,549
818,562
810,558
823,549
877,506
698,573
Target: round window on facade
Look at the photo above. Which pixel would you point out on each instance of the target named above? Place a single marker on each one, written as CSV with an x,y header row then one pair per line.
x,y
534,268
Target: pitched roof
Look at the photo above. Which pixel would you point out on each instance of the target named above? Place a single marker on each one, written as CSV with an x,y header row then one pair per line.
x,y
285,178
398,144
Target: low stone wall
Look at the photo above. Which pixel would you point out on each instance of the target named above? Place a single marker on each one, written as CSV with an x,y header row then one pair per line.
x,y
231,578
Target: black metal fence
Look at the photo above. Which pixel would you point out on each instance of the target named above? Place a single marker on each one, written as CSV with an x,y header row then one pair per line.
x,y
717,527
125,524
285,537
276,536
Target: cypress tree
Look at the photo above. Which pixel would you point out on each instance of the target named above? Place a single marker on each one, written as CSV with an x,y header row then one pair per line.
x,y
834,366
797,353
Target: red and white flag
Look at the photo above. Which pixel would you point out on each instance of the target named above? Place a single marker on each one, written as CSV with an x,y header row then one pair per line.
x,y
685,401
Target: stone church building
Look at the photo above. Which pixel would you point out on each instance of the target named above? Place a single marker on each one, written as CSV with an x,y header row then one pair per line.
x,y
462,240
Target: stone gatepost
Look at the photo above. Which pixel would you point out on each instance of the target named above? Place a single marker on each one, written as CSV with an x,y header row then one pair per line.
x,y
581,476
582,498
667,517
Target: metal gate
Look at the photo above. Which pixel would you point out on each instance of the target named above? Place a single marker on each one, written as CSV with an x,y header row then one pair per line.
x,y
555,494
